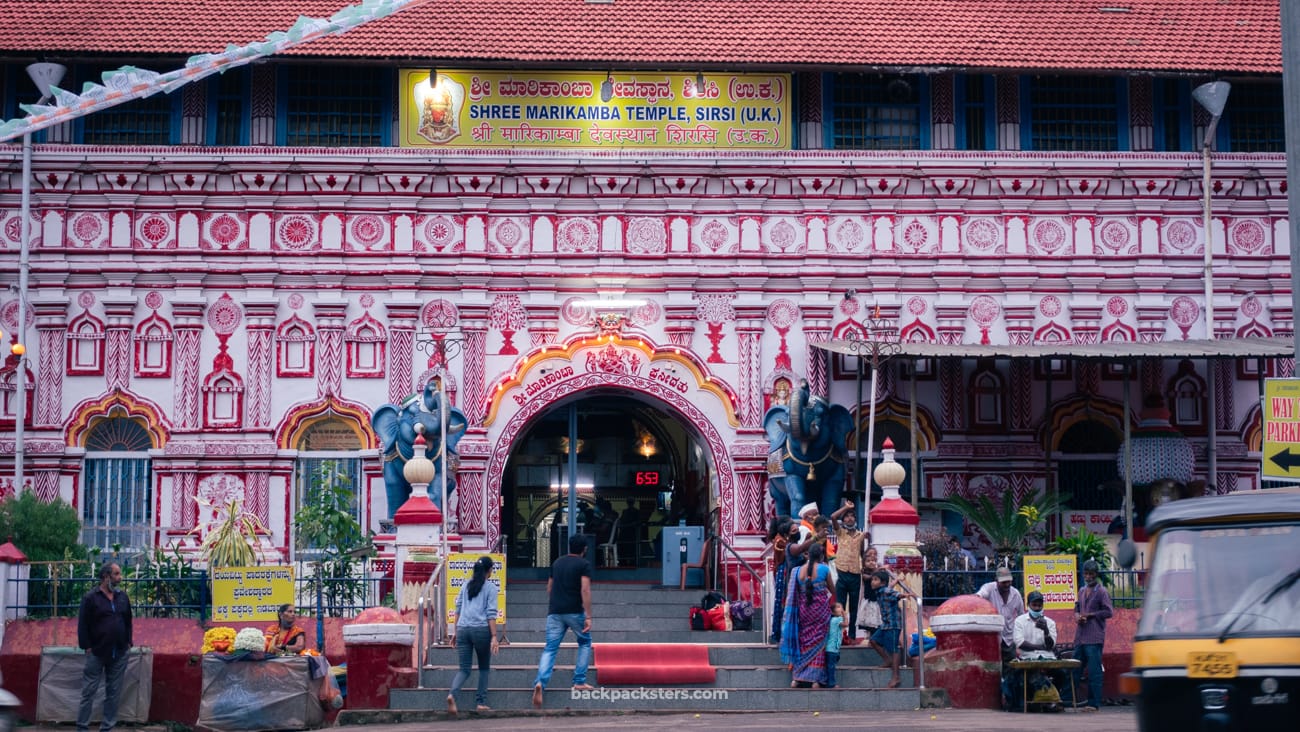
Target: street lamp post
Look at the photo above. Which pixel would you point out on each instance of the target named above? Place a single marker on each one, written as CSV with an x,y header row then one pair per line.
x,y
44,75
1213,97
881,343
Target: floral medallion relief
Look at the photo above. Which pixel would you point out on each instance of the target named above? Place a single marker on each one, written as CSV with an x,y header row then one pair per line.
x,y
715,235
916,234
439,233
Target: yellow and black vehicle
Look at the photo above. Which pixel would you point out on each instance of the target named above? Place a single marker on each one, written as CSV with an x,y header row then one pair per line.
x,y
1218,645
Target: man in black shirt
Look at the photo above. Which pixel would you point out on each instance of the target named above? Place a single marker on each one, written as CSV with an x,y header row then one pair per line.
x,y
570,609
104,631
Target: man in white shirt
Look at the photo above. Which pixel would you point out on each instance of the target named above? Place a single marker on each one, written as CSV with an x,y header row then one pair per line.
x,y
1009,604
1034,633
1035,639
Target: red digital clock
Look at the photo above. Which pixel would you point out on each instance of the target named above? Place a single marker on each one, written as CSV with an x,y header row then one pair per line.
x,y
647,477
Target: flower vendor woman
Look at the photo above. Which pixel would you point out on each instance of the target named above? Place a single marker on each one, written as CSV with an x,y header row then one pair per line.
x,y
286,636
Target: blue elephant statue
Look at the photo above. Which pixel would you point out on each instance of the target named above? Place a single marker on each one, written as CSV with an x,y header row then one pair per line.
x,y
807,443
395,425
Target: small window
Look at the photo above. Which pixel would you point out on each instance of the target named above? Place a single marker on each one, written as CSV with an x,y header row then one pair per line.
x,y
153,348
228,109
295,345
1187,402
365,340
336,106
1254,118
1075,114
986,397
976,124
85,346
223,401
149,121
878,112
1171,120
295,352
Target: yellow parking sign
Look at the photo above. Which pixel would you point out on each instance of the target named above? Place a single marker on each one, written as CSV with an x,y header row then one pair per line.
x,y
1281,443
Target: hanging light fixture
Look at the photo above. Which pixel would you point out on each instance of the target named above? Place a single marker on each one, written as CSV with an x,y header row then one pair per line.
x,y
607,87
1163,461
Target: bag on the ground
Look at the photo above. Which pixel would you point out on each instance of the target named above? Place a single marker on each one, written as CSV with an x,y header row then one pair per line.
x,y
712,600
716,618
699,619
928,643
742,615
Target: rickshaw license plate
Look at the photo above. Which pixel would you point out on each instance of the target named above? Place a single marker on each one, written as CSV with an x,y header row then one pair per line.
x,y
1216,665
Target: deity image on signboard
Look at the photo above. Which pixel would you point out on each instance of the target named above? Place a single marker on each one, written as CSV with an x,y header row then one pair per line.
x,y
439,106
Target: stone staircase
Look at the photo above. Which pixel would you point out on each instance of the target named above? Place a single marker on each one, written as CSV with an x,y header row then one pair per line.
x,y
750,675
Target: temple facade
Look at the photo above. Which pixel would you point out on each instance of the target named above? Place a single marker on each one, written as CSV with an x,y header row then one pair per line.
x,y
615,273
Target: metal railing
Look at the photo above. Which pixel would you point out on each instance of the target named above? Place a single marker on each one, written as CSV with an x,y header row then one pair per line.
x,y
920,633
1126,586
55,589
430,619
762,581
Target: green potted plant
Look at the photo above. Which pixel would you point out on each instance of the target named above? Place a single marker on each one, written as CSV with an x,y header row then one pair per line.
x,y
1010,526
1085,545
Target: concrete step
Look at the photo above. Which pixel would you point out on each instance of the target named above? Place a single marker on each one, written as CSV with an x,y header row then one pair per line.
x,y
609,618
624,632
612,594
712,699
516,609
751,655
728,677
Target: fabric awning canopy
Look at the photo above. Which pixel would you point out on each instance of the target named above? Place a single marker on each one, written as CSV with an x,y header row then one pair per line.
x,y
1226,348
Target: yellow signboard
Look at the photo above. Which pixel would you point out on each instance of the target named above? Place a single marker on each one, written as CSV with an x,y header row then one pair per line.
x,y
460,568
1054,575
1281,443
243,594
483,109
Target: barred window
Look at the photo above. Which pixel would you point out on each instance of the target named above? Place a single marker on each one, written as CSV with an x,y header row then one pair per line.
x,y
154,120
1254,118
228,120
976,123
878,112
323,471
1074,113
336,106
117,507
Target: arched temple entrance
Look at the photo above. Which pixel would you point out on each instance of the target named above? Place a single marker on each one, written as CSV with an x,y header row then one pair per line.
x,y
596,416
632,464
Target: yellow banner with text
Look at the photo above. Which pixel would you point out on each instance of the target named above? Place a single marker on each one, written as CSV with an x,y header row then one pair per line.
x,y
1055,576
242,594
481,109
460,569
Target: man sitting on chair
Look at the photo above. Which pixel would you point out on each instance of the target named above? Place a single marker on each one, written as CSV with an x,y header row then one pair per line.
x,y
1034,635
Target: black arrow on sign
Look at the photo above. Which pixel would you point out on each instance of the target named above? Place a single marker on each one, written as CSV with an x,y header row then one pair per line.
x,y
1285,460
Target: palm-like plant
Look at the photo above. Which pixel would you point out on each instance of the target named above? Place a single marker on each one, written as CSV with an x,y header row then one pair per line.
x,y
1007,525
231,541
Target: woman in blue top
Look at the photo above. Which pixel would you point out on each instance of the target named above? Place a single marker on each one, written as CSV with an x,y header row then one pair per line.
x,y
808,602
476,632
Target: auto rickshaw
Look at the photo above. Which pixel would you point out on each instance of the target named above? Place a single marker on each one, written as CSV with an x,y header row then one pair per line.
x,y
1218,645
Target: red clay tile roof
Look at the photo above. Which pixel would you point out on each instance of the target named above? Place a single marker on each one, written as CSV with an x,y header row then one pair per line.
x,y
1119,35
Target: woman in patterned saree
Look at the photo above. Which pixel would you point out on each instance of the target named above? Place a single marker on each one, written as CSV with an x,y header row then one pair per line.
x,y
808,604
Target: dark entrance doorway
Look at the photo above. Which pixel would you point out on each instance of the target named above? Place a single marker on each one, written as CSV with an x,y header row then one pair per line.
x,y
608,465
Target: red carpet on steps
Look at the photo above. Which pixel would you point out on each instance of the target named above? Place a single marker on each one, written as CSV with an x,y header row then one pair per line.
x,y
658,664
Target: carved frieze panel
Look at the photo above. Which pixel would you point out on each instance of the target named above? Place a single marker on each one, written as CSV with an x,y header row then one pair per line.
x,y
441,233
